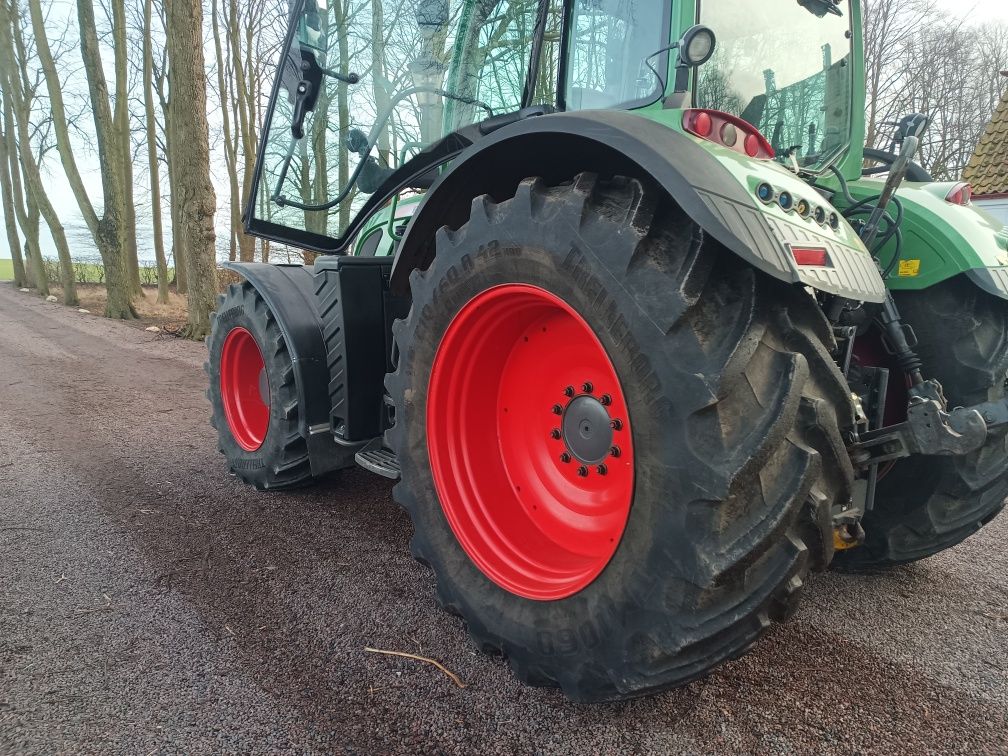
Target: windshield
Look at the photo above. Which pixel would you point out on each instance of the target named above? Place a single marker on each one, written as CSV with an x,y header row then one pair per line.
x,y
367,84
786,69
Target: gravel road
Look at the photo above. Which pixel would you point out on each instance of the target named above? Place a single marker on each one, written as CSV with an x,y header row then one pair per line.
x,y
149,603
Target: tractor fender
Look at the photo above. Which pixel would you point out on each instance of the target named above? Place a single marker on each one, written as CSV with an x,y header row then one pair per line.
x,y
611,142
289,291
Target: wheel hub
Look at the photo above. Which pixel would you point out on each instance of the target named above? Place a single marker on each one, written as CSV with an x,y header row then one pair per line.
x,y
529,442
587,430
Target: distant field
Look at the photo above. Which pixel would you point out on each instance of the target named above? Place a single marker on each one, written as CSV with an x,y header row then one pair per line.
x,y
6,270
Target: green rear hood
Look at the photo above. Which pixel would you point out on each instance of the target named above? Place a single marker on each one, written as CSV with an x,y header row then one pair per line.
x,y
941,240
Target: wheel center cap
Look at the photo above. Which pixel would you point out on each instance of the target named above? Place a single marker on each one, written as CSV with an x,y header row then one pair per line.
x,y
587,431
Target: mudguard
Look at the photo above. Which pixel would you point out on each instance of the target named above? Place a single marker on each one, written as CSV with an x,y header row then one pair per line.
x,y
609,142
289,291
942,240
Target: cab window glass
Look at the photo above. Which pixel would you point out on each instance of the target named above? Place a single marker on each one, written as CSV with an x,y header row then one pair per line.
x,y
366,85
609,46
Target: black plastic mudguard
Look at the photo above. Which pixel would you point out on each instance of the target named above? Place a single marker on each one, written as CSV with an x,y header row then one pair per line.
x,y
289,291
992,280
612,142
357,311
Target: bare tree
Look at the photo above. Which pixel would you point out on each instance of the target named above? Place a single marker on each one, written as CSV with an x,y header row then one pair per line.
x,y
110,234
21,90
195,200
152,157
26,218
121,124
918,59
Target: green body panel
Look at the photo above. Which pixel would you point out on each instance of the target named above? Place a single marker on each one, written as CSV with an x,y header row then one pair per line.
x,y
379,224
940,239
750,173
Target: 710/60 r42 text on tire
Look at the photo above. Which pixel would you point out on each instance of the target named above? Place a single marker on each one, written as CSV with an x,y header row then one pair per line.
x,y
575,321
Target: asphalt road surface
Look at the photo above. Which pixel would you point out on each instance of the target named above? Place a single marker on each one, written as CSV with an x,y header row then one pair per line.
x,y
149,603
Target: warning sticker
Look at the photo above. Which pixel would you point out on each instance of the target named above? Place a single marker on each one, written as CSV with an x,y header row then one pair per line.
x,y
909,268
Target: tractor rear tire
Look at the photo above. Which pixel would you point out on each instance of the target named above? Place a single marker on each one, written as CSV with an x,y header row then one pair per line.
x,y
661,531
925,505
253,395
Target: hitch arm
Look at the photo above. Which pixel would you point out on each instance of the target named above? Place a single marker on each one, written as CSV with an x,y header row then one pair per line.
x,y
930,430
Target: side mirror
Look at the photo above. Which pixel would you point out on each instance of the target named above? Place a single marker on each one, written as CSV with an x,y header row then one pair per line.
x,y
694,48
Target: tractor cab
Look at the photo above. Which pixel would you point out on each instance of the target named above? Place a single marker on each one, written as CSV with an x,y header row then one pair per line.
x,y
369,101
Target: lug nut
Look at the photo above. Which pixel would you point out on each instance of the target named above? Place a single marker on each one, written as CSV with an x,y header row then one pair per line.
x,y
555,434
569,391
616,424
583,471
602,469
587,387
615,451
557,409
606,400
565,457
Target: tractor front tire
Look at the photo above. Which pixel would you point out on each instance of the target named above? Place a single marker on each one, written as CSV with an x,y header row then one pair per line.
x,y
925,505
620,444
252,393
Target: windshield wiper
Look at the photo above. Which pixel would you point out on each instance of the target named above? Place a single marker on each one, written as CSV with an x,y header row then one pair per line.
x,y
821,8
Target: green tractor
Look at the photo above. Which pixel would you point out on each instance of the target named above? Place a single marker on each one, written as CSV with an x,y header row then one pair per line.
x,y
610,289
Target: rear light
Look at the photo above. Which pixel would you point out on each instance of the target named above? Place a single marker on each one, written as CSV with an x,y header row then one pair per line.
x,y
811,256
726,129
961,194
703,125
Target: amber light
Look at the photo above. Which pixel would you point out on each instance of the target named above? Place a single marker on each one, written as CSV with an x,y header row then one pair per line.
x,y
811,257
725,129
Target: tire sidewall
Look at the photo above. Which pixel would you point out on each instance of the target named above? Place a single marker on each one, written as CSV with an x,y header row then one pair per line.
x,y
239,312
643,575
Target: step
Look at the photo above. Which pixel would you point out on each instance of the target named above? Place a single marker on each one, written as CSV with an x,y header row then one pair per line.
x,y
376,458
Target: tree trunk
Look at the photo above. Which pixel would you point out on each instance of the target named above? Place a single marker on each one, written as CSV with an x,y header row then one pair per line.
x,y
10,216
246,122
34,249
197,201
110,236
230,154
178,248
121,120
17,194
152,158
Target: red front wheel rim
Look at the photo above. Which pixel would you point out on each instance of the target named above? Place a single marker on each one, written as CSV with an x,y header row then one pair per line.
x,y
244,389
529,439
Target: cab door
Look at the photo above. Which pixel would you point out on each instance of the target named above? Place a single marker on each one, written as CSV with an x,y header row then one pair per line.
x,y
371,96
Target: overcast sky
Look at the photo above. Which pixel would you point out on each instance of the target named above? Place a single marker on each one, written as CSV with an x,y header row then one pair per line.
x,y
972,11
977,11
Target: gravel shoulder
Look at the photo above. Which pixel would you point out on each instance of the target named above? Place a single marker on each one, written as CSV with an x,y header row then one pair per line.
x,y
149,603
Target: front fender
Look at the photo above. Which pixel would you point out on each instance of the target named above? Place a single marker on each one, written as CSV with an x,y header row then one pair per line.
x,y
610,142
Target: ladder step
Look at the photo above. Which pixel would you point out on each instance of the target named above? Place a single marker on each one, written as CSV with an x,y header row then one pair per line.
x,y
376,458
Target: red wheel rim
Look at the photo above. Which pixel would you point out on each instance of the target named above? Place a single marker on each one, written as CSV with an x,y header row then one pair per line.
x,y
244,389
530,443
